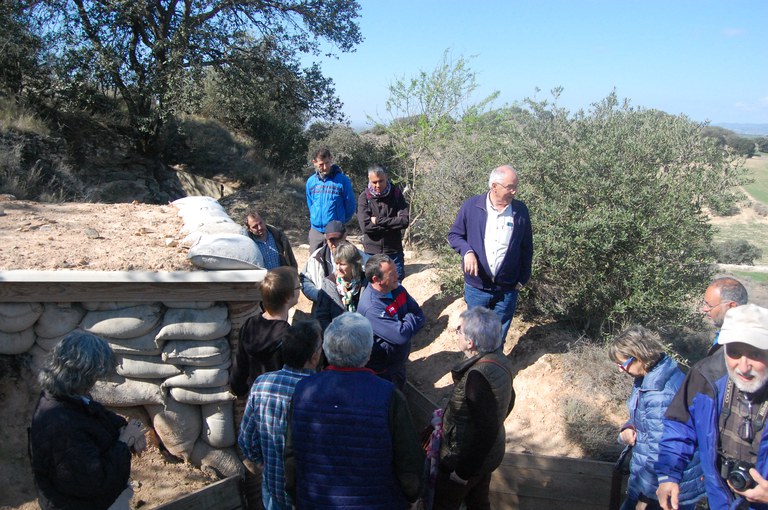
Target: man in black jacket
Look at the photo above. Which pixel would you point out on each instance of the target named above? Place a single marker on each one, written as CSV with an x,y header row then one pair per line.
x,y
383,214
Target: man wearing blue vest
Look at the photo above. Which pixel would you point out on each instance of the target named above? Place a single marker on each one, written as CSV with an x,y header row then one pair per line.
x,y
351,443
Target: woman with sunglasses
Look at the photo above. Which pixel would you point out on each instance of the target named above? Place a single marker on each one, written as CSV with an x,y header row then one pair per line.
x,y
639,352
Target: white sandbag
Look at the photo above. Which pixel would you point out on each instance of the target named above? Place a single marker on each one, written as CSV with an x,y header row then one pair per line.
x,y
144,367
18,342
124,323
225,227
15,317
223,462
38,357
48,344
200,377
196,305
201,213
144,345
109,305
194,201
58,319
177,425
195,223
196,353
192,324
219,424
117,391
200,396
226,251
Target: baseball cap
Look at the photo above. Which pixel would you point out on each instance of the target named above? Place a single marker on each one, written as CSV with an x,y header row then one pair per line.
x,y
335,229
747,324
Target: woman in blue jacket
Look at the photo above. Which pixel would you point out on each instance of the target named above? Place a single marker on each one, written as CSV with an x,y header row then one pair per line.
x,y
640,353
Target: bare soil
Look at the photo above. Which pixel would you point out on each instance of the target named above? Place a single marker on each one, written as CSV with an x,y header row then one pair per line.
x,y
78,236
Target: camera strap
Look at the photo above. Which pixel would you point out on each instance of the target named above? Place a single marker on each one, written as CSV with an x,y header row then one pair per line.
x,y
759,421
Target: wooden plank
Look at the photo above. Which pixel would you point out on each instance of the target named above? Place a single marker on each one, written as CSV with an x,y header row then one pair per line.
x,y
135,286
222,495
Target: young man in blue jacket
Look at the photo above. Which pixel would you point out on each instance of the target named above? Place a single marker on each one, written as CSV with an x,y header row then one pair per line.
x,y
329,197
493,235
721,411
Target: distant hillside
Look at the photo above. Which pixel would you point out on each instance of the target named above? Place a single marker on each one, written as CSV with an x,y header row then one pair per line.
x,y
744,129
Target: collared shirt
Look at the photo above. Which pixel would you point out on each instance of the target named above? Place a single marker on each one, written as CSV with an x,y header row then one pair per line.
x,y
499,226
268,249
262,431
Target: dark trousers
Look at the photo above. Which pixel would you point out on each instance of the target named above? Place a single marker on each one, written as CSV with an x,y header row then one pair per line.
x,y
449,495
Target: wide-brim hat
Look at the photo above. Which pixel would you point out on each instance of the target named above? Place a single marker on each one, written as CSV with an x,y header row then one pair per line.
x,y
747,324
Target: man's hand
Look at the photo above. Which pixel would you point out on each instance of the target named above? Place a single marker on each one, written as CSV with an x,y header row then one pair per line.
x,y
668,494
373,219
628,436
470,263
758,493
132,434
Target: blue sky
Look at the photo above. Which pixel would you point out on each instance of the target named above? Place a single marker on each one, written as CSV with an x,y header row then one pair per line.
x,y
707,59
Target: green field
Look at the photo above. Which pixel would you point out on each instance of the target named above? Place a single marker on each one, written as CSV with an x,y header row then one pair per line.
x,y
755,277
758,167
756,232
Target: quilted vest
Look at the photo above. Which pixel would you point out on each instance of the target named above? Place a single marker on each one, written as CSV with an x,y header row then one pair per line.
x,y
342,442
496,369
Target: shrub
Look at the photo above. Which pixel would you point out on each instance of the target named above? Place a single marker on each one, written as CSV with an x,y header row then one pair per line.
x,y
736,251
760,209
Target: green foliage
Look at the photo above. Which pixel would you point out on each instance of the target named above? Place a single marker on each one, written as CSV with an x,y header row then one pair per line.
x,y
742,145
738,251
19,49
148,53
762,144
616,197
426,112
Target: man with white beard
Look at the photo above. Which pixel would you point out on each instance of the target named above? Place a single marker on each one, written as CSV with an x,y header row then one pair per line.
x,y
721,410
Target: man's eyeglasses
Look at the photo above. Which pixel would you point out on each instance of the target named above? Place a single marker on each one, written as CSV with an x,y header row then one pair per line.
x,y
508,187
624,367
706,307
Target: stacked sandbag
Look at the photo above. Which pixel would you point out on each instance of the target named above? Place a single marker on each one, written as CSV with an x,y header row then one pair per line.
x,y
215,241
17,320
172,358
56,321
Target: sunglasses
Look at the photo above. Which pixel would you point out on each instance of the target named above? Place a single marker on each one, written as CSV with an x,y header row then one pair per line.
x,y
624,367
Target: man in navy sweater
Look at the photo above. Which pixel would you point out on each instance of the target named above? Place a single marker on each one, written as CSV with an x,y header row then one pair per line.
x,y
492,233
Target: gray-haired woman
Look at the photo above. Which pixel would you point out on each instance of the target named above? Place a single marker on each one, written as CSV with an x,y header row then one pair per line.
x,y
341,290
81,452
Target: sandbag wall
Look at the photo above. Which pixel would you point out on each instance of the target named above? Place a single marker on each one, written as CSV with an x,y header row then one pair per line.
x,y
172,358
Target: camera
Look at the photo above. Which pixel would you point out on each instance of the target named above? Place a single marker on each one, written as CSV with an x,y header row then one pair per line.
x,y
737,474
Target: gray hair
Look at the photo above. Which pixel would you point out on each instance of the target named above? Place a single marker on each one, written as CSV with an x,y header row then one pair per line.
x,y
348,341
731,289
378,170
497,174
637,342
75,364
347,252
483,327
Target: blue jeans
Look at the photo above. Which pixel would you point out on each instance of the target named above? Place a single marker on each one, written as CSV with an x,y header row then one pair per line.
x,y
399,260
269,502
501,302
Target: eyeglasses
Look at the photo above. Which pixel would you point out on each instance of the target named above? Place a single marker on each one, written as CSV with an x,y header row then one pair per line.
x,y
624,367
708,308
508,187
